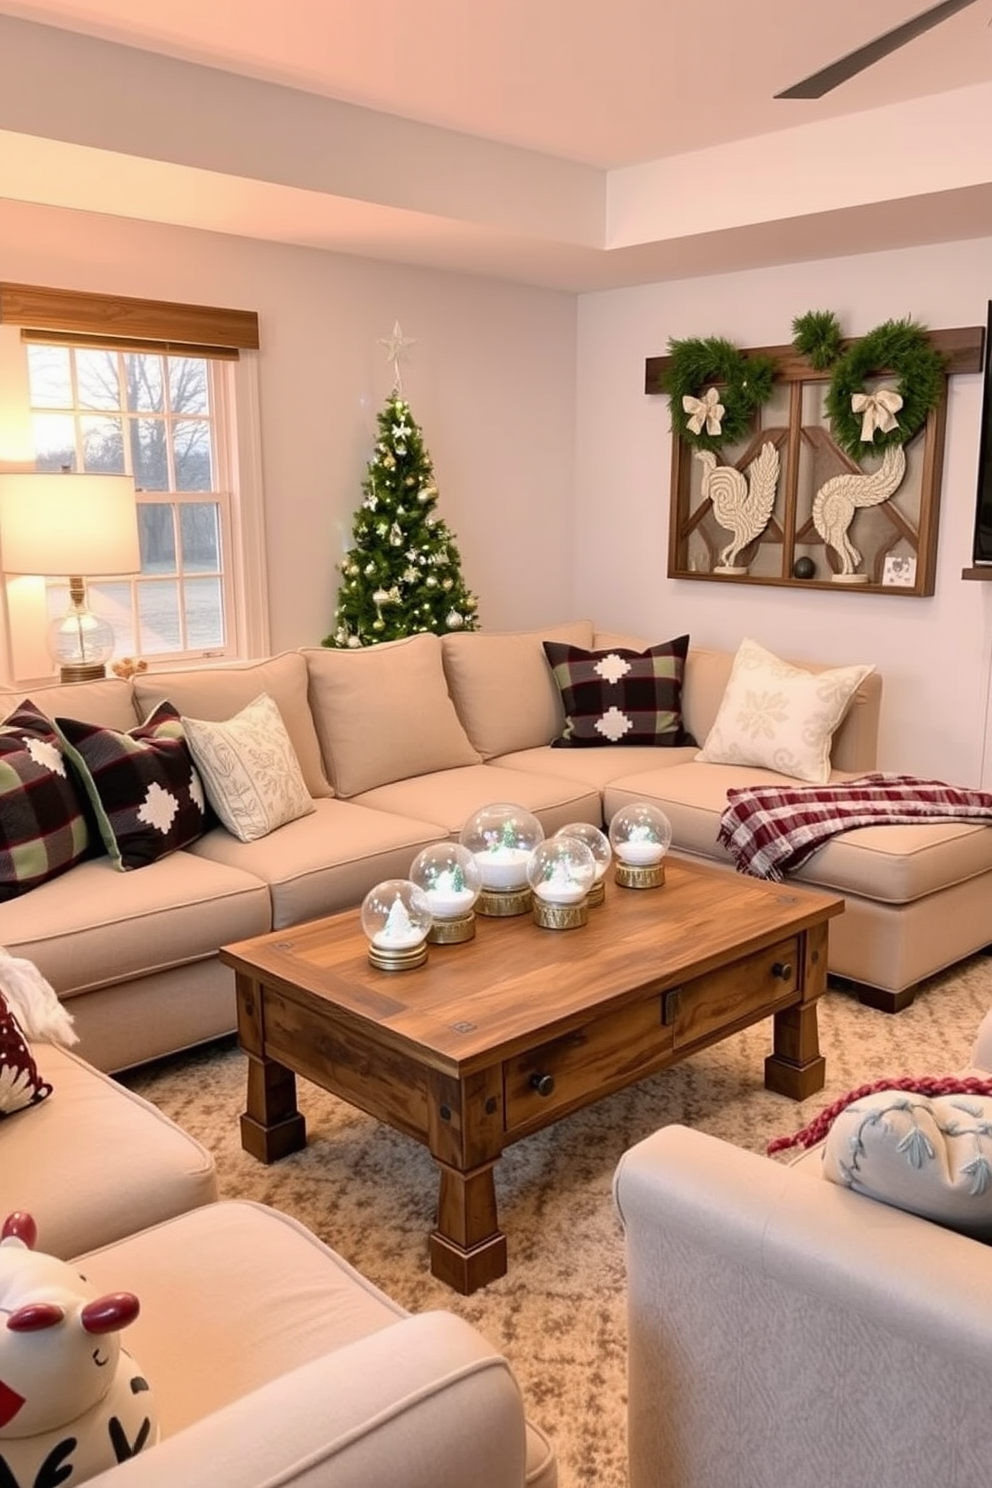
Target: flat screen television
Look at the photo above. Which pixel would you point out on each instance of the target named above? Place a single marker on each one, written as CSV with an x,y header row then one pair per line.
x,y
982,546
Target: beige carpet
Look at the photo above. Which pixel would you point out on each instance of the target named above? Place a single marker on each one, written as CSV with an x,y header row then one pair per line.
x,y
559,1313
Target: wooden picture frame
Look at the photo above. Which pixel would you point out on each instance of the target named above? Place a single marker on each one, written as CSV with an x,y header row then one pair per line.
x,y
895,539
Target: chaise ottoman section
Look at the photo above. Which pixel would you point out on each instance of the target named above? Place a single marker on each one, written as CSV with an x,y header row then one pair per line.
x,y
94,1162
917,898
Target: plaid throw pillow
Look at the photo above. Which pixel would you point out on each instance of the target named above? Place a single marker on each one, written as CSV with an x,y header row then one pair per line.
x,y
620,696
142,785
20,1083
43,829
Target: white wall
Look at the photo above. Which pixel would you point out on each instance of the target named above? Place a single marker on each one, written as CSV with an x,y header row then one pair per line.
x,y
490,381
935,654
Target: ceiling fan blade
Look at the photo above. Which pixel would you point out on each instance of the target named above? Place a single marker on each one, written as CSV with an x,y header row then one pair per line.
x,y
847,67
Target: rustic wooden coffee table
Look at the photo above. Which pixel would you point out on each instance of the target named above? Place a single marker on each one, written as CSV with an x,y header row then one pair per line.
x,y
493,1039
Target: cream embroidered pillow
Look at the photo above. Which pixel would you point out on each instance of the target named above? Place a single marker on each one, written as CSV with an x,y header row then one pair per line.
x,y
780,716
249,769
931,1155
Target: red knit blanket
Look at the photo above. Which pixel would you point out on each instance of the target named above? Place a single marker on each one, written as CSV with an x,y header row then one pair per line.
x,y
772,830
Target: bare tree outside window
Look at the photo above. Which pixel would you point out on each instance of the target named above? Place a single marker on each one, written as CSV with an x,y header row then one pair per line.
x,y
152,416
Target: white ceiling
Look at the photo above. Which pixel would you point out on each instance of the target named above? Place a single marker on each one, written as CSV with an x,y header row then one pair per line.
x,y
605,84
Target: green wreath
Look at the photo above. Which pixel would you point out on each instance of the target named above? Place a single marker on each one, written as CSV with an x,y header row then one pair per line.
x,y
744,384
899,346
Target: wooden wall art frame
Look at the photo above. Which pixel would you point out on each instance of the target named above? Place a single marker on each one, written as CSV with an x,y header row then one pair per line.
x,y
897,539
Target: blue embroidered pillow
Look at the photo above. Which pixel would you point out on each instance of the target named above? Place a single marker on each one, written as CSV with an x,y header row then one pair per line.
x,y
43,829
145,790
929,1154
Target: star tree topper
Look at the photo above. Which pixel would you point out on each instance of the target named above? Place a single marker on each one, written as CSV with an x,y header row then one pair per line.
x,y
396,351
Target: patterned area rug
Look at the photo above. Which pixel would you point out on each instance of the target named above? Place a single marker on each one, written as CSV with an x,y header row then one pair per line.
x,y
559,1313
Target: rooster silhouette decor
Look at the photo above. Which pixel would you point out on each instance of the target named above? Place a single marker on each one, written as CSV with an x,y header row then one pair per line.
x,y
741,503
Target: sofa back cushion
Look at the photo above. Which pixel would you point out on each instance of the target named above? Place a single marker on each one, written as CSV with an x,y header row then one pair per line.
x,y
218,693
107,701
383,713
503,686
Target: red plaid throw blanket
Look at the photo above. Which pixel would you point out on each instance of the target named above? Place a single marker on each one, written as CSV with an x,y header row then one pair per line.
x,y
771,830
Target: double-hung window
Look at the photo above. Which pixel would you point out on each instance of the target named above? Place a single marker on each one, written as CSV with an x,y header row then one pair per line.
x,y
165,394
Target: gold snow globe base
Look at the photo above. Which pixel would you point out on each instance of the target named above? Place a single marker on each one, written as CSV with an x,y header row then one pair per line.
x,y
504,902
560,916
596,894
640,876
453,931
403,959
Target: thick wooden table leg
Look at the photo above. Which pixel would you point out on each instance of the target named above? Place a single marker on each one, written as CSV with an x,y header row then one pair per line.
x,y
271,1127
467,1248
797,1068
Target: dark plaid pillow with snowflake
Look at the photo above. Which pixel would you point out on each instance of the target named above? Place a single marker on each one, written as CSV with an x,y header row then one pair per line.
x,y
145,790
618,696
43,829
20,1083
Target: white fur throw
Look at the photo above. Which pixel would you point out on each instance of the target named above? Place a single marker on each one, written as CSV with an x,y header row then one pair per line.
x,y
34,1003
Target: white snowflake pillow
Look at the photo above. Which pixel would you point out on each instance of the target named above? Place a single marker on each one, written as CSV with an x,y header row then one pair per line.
x,y
779,716
929,1154
143,786
250,769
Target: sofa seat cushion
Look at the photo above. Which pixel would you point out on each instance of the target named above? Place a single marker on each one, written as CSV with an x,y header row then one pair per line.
x,y
95,1162
503,686
218,693
450,796
890,864
269,1299
594,767
268,1296
96,926
325,861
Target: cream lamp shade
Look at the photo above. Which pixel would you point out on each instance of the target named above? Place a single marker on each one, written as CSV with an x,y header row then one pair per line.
x,y
72,525
68,524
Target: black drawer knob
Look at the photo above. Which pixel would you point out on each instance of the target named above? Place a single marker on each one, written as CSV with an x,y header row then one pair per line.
x,y
543,1084
782,969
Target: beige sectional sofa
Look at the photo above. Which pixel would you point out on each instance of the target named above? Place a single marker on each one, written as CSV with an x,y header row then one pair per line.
x,y
397,745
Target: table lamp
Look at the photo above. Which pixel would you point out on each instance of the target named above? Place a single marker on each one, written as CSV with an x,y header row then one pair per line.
x,y
55,524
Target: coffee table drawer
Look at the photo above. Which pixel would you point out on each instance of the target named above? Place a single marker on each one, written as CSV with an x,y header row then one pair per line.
x,y
716,1002
610,1051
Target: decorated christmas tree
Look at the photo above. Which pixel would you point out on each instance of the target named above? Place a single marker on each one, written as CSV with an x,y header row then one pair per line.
x,y
403,573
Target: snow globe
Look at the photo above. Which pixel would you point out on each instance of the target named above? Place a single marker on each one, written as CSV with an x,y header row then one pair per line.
x,y
561,871
501,838
640,835
396,918
450,877
599,845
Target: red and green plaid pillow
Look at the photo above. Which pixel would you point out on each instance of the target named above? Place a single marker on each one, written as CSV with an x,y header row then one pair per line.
x,y
20,1083
43,829
145,790
619,696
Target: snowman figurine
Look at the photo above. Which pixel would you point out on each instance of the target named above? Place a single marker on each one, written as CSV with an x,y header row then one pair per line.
x,y
72,1401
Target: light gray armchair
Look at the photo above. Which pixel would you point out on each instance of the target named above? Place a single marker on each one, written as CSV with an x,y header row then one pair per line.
x,y
786,1331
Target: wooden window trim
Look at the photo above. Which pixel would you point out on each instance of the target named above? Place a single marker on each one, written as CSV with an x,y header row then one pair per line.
x,y
129,324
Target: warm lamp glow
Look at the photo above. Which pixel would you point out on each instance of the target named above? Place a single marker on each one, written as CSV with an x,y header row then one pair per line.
x,y
68,524
72,525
